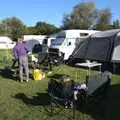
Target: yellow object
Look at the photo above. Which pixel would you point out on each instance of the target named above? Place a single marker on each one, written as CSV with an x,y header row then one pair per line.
x,y
38,74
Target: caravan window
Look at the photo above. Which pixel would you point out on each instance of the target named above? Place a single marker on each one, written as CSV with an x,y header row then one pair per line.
x,y
57,41
84,34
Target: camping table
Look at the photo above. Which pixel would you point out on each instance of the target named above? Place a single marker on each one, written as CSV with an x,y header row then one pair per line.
x,y
89,65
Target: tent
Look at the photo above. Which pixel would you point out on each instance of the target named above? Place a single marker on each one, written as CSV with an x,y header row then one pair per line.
x,y
101,46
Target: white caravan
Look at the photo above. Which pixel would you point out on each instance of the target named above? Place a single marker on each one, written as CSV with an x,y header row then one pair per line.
x,y
6,43
67,40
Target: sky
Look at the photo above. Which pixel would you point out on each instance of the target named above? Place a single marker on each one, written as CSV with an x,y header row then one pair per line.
x,y
50,11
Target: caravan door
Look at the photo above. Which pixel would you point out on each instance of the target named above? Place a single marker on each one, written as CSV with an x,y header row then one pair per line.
x,y
67,47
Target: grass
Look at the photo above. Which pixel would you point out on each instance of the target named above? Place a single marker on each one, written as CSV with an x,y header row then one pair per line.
x,y
30,101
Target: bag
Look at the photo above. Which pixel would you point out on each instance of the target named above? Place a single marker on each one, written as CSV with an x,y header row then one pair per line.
x,y
68,89
38,74
65,90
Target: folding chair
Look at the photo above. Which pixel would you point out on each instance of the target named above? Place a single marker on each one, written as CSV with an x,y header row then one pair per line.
x,y
97,86
60,94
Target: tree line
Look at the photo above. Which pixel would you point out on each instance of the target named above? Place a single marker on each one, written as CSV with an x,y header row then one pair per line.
x,y
83,16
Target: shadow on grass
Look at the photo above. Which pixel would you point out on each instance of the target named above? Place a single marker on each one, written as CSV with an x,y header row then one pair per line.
x,y
12,74
6,73
95,110
101,110
42,99
105,109
113,103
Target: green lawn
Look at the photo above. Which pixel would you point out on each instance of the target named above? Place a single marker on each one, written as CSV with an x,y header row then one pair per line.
x,y
30,101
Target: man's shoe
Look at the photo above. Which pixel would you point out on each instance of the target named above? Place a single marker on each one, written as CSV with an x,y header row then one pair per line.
x,y
27,80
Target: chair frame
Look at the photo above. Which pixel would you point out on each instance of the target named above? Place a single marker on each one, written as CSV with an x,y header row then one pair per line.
x,y
100,93
59,102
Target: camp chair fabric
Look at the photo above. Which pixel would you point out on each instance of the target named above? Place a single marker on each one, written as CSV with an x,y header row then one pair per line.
x,y
97,86
61,93
94,83
65,90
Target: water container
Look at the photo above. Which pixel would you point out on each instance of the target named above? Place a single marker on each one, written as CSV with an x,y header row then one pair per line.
x,y
37,74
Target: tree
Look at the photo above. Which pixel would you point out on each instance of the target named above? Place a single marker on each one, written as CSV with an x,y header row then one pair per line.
x,y
2,32
85,16
44,28
13,27
104,20
31,30
116,24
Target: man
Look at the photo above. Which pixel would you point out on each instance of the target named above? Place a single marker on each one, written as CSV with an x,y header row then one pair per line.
x,y
20,52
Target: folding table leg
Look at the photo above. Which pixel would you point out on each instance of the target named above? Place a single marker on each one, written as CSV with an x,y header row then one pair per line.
x,y
74,109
